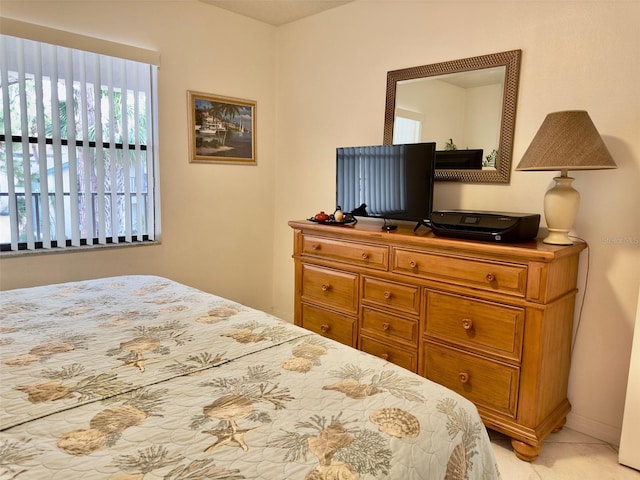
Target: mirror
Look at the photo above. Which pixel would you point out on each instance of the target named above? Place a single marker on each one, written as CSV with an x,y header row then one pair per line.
x,y
467,106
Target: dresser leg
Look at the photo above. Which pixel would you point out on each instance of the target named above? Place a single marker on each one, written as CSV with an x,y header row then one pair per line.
x,y
560,425
524,451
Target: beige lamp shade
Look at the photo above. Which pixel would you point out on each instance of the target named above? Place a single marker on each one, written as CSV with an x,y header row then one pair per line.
x,y
565,141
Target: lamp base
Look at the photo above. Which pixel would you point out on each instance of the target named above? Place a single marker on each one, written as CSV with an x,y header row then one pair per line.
x,y
558,237
561,205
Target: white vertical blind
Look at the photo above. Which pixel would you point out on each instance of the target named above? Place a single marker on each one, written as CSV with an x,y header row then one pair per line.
x,y
87,161
150,154
11,204
98,158
57,148
43,220
26,149
125,141
78,164
111,175
74,200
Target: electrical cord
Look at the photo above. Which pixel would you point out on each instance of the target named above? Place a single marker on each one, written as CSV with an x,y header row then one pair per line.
x,y
584,292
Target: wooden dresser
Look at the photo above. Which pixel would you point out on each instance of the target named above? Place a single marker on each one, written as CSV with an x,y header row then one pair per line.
x,y
492,322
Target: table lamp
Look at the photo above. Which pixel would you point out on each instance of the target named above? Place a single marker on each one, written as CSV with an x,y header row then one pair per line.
x,y
565,141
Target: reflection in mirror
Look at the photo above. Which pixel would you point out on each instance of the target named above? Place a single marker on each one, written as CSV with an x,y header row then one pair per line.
x,y
466,106
460,111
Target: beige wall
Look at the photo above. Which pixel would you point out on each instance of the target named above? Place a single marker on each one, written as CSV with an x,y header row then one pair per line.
x,y
217,220
576,55
320,83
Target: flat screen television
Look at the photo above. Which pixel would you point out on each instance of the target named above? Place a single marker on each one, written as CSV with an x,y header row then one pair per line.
x,y
392,182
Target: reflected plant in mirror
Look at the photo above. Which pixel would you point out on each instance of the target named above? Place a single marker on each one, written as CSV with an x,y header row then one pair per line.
x,y
466,106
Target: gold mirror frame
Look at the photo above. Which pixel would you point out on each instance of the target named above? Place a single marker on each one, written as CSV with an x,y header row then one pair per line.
x,y
511,61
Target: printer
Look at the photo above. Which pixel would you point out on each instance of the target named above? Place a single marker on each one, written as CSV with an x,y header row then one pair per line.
x,y
485,226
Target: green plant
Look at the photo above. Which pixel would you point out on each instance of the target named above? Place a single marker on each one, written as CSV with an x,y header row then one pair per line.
x,y
450,145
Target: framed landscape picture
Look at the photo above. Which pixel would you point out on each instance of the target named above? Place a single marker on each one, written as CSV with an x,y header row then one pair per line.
x,y
221,129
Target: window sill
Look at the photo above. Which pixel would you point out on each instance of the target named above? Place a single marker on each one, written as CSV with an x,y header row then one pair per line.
x,y
83,248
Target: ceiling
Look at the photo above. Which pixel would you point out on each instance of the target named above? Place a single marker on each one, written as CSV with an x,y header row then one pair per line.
x,y
276,12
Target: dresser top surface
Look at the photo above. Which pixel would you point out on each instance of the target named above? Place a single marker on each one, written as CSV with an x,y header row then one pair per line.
x,y
423,237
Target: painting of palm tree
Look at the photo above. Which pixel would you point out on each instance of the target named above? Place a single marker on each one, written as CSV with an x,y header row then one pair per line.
x,y
221,129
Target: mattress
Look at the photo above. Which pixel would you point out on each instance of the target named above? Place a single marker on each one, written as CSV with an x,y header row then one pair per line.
x,y
141,377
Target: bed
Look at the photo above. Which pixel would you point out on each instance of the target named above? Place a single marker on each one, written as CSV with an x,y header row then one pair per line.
x,y
140,377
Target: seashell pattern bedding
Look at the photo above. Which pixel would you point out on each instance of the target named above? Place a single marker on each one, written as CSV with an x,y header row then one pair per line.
x,y
140,377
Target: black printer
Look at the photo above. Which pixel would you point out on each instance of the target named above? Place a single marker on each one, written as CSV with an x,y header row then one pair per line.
x,y
485,226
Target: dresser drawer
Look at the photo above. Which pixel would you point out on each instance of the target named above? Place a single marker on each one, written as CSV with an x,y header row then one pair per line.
x,y
372,256
474,324
391,294
492,385
486,275
389,327
402,356
335,288
335,326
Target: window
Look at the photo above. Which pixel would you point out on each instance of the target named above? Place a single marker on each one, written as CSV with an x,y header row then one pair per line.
x,y
78,163
407,130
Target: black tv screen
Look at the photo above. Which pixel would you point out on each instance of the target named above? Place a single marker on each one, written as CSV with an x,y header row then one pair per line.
x,y
386,181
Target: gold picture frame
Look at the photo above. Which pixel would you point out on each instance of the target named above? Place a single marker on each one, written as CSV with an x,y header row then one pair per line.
x,y
221,129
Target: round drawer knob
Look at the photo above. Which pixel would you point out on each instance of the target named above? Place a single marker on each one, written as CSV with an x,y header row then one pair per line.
x,y
467,323
386,326
364,255
490,277
463,377
387,294
324,328
384,356
413,264
315,247
325,287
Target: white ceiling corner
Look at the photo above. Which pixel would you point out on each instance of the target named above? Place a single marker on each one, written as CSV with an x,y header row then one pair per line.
x,y
276,12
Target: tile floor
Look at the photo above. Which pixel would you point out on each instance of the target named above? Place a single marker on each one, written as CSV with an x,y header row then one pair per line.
x,y
566,455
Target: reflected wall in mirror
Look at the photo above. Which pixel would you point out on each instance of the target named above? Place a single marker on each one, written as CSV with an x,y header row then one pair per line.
x,y
467,106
